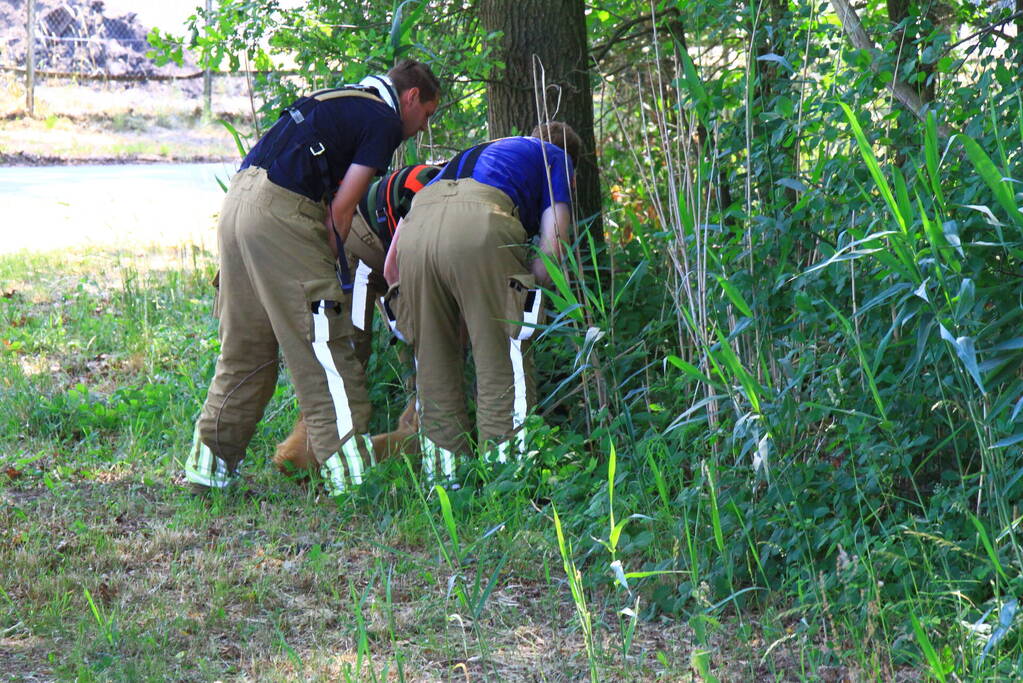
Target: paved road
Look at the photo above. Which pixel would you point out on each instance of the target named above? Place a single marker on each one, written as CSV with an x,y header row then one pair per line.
x,y
46,208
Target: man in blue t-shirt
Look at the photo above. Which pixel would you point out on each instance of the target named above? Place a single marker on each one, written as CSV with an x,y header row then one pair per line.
x,y
462,253
284,279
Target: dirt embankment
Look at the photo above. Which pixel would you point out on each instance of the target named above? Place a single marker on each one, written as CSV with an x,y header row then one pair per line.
x,y
78,121
80,36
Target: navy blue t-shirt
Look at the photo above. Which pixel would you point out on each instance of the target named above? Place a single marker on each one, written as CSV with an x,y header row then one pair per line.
x,y
353,130
516,166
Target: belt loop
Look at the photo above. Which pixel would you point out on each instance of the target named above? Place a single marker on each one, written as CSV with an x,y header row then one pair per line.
x,y
248,179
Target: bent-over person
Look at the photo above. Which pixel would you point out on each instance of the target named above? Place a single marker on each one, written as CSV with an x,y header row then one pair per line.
x,y
285,285
463,253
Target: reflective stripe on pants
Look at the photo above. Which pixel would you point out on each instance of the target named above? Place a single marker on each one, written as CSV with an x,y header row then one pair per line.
x,y
206,469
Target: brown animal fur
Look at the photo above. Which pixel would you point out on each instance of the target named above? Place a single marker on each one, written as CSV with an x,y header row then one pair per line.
x,y
294,454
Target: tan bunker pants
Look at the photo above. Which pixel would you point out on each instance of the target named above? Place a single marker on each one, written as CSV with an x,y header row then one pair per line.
x,y
366,264
462,254
279,292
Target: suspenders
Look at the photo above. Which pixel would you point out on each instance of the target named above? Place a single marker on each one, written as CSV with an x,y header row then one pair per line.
x,y
464,163
295,115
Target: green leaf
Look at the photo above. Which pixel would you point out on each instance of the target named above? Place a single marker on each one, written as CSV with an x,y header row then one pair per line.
x,y
751,388
735,297
694,86
612,465
867,152
1008,441
564,299
993,178
491,584
689,369
931,157
930,654
449,519
966,351
986,542
901,195
236,136
776,59
715,515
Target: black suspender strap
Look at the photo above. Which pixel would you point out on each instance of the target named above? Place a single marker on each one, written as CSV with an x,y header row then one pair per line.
x,y
464,164
303,135
295,116
344,275
380,207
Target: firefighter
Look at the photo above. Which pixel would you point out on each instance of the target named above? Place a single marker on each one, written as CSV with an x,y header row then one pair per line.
x,y
381,209
285,284
373,226
462,253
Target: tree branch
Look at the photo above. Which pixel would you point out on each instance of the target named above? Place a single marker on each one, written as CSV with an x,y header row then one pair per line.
x,y
598,53
991,28
906,96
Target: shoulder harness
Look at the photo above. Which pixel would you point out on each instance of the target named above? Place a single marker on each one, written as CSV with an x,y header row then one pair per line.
x,y
372,87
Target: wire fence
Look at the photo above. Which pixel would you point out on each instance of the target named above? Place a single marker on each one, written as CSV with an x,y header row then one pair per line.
x,y
76,40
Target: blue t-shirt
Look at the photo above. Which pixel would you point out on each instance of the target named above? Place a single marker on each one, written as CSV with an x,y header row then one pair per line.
x,y
516,166
353,130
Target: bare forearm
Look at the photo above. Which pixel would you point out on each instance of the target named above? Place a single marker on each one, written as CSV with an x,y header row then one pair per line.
x,y
339,224
391,260
539,270
555,227
342,207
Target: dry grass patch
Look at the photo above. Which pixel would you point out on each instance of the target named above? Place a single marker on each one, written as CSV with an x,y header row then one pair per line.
x,y
94,121
276,585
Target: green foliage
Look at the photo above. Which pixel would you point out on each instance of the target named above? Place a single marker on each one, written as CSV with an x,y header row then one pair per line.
x,y
323,44
802,336
840,391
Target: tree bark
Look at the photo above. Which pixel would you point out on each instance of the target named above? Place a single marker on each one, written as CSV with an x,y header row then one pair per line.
x,y
554,31
898,12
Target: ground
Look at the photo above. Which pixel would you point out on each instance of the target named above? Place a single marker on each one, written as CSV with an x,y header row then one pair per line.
x,y
109,570
116,123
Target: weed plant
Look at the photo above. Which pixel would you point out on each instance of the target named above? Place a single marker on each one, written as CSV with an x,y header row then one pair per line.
x,y
778,437
111,571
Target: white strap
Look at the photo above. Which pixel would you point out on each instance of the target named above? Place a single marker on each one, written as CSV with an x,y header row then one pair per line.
x,y
392,322
335,383
385,88
530,316
359,288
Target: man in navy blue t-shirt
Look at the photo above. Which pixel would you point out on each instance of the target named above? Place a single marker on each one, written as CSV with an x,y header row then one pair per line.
x,y
283,274
462,254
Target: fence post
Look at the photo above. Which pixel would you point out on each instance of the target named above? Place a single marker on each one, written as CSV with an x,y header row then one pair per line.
x,y
207,77
30,66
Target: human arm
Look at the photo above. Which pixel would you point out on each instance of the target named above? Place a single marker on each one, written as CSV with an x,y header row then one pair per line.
x,y
391,260
353,186
555,226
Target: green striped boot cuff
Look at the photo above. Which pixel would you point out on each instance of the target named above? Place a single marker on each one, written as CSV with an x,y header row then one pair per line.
x,y
206,469
333,470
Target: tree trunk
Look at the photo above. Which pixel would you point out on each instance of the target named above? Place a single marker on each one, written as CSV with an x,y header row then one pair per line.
x,y
554,31
898,12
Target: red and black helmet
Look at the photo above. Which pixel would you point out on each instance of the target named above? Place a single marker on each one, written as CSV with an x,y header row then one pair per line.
x,y
390,198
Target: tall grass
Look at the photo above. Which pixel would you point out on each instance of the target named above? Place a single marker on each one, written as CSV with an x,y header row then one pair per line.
x,y
781,436
844,415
